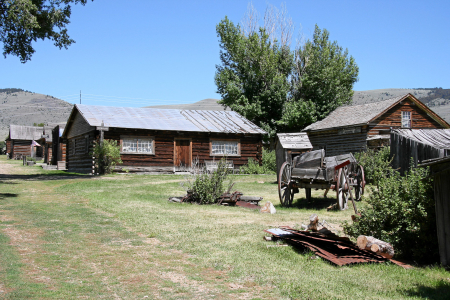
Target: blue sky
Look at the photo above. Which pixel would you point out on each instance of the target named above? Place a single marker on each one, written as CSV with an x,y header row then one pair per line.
x,y
148,52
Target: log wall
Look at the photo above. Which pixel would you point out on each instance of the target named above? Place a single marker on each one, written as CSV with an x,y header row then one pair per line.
x,y
22,147
79,126
78,156
8,147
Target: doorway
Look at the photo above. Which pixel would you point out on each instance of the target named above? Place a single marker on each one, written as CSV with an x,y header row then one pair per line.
x,y
183,153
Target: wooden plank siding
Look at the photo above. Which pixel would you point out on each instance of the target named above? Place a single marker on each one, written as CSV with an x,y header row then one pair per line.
x,y
8,147
336,144
21,147
393,118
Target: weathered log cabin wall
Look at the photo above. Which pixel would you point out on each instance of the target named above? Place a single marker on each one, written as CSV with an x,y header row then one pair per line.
x,y
393,119
8,147
20,147
353,139
340,141
164,157
81,135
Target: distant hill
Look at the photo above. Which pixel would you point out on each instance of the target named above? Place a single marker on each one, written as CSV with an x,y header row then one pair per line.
x,y
21,107
26,108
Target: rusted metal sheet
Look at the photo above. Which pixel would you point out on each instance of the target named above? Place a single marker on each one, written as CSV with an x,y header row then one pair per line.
x,y
339,251
168,119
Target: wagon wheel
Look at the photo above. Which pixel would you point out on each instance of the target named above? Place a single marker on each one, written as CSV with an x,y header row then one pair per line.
x,y
360,183
285,189
342,193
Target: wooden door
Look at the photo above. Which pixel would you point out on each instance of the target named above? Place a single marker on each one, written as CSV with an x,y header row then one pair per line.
x,y
182,153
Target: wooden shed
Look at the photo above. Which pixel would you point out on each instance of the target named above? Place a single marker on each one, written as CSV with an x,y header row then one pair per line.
x,y
21,141
356,128
440,170
418,144
290,145
161,140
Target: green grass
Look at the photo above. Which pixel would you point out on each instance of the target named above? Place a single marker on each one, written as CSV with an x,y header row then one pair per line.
x,y
118,237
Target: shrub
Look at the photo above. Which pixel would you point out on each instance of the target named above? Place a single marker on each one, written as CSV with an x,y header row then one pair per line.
x,y
268,166
204,187
375,163
401,212
107,155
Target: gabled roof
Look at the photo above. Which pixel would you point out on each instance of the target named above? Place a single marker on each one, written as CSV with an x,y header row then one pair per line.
x,y
19,132
363,114
298,140
438,138
165,119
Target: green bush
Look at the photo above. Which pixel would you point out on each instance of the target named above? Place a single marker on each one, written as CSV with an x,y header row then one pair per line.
x,y
107,155
375,163
401,211
205,187
268,166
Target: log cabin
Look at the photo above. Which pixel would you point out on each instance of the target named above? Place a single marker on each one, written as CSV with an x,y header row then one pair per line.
x,y
359,127
161,140
20,139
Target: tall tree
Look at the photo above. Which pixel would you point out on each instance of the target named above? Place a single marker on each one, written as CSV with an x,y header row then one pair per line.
x,y
322,80
253,78
278,88
25,21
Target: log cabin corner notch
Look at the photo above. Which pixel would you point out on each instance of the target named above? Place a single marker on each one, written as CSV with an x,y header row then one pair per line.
x,y
356,128
161,140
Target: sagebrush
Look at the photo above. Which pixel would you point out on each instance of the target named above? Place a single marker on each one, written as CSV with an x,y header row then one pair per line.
x,y
375,163
268,166
206,187
107,155
401,211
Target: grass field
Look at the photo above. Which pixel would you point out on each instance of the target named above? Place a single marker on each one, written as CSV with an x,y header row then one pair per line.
x,y
65,236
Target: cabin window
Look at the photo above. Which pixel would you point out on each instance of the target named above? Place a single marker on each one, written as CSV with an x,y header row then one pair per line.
x,y
225,147
406,119
138,145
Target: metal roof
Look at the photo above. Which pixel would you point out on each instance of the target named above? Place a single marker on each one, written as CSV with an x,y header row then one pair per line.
x,y
298,140
353,115
168,119
438,138
19,132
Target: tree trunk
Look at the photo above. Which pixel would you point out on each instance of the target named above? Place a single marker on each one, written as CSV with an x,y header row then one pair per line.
x,y
372,244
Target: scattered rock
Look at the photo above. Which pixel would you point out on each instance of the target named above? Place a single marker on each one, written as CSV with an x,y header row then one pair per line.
x,y
268,208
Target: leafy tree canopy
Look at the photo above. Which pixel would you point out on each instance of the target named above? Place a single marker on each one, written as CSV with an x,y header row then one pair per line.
x,y
280,89
25,21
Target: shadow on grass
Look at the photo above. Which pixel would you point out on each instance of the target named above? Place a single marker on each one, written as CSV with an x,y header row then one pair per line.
x,y
315,203
43,177
7,195
440,291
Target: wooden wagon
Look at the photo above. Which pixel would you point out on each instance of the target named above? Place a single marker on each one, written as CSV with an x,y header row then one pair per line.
x,y
340,173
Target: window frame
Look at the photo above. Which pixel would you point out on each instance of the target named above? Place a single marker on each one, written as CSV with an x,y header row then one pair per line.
x,y
151,138
406,119
238,141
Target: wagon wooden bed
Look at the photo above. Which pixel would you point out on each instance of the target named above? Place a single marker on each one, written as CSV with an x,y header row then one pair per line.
x,y
313,170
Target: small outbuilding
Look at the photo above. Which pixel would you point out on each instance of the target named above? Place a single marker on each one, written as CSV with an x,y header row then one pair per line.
x,y
359,127
161,140
290,145
22,141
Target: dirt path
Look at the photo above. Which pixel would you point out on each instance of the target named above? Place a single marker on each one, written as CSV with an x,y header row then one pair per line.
x,y
60,247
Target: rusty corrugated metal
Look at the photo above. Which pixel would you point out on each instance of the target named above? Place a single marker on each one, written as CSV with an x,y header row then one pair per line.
x,y
335,250
168,119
